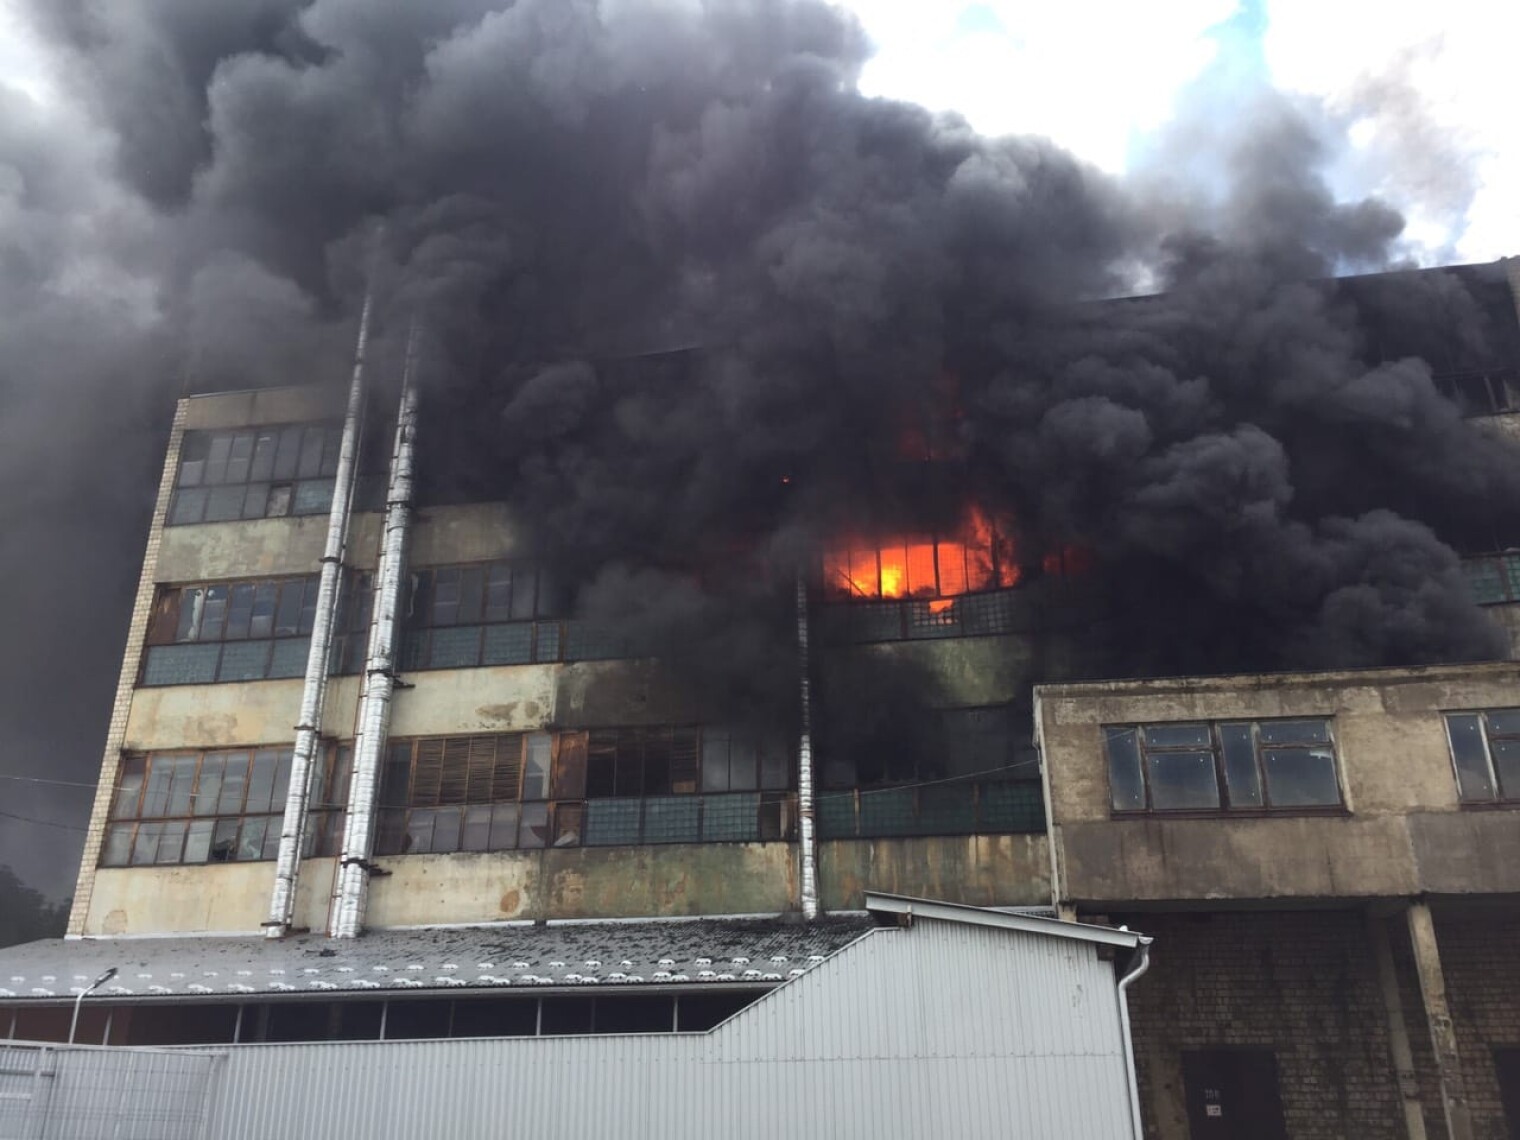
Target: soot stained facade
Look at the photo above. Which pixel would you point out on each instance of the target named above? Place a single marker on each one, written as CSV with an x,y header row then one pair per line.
x,y
1327,859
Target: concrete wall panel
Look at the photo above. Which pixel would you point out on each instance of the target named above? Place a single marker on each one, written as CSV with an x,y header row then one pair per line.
x,y
979,870
221,898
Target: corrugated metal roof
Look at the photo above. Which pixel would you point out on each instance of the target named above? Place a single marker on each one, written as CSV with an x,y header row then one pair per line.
x,y
746,952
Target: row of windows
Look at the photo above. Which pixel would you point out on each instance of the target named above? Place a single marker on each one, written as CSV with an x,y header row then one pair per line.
x,y
1284,765
1493,578
255,473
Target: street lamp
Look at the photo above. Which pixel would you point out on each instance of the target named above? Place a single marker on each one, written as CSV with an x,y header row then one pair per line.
x,y
89,989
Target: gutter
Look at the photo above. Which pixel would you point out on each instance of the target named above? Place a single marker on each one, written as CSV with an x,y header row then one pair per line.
x,y
1139,963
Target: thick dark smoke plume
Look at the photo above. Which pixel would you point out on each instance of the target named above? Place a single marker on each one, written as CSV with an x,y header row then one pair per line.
x,y
684,288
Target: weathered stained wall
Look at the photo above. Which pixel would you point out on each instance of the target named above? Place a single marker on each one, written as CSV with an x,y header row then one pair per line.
x,y
979,870
216,898
256,406
1403,831
584,882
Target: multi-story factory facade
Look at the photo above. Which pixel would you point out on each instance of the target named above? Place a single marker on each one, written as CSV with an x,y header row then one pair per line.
x,y
1327,861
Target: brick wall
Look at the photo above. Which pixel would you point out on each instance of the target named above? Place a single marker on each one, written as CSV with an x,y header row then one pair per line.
x,y
1302,983
1480,959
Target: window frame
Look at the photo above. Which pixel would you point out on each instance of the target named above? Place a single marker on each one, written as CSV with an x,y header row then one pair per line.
x,y
1500,797
324,831
272,486
544,624
1224,808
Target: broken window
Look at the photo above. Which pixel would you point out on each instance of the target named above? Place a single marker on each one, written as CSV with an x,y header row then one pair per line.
x,y
979,556
218,806
1494,579
1213,766
1485,754
249,631
568,789
486,613
255,473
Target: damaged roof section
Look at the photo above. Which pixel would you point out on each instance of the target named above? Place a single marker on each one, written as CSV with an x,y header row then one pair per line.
x,y
717,952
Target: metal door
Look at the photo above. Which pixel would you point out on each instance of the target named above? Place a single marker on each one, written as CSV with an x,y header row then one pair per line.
x,y
1232,1095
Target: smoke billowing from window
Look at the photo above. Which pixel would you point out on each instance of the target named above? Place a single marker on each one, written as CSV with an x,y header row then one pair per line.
x,y
1261,466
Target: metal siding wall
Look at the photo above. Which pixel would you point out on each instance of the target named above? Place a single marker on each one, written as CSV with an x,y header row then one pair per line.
x,y
103,1094
943,1029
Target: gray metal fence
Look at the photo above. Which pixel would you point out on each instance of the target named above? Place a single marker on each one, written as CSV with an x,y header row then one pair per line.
x,y
61,1092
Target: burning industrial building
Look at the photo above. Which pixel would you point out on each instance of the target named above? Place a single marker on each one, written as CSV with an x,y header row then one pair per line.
x,y
781,572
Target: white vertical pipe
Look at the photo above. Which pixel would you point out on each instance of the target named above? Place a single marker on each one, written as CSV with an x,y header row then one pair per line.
x,y
314,692
806,845
379,667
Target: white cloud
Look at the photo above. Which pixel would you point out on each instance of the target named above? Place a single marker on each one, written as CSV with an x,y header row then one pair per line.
x,y
1426,89
1088,73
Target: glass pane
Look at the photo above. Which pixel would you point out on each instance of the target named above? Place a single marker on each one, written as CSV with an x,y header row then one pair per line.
x,y
282,780
216,457
498,592
309,605
472,581
180,664
419,831
310,465
229,800
191,471
250,846
198,841
671,819
457,647
191,600
209,790
715,761
225,504
244,661
508,644
287,619
256,501
312,497
261,780
446,829
1507,767
1301,777
445,608
1504,722
1182,781
171,843
332,446
189,507
1125,782
731,817
1474,784
181,784
503,827
277,504
477,828
288,455
241,456
261,618
534,831
224,841
160,777
524,587
775,768
118,848
289,657
145,846
1295,732
1242,781
613,822
271,848
1485,580
742,774
536,775
1177,736
213,613
264,450
547,647
129,787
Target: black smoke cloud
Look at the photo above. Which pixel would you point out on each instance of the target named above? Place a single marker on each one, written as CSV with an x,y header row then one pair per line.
x,y
682,285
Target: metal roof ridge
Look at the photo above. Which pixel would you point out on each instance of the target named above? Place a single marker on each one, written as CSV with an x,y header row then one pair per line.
x,y
879,903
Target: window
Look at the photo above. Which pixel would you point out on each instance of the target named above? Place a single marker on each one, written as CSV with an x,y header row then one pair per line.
x,y
1250,766
599,788
489,613
977,557
1483,392
255,473
1485,752
1493,578
248,631
221,806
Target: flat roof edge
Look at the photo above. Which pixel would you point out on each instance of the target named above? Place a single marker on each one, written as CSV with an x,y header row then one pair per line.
x,y
1000,919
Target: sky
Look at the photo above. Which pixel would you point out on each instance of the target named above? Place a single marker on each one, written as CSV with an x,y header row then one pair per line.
x,y
1419,89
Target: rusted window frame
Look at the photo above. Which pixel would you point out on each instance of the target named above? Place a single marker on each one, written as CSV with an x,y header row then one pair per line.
x,y
167,617
558,806
1224,806
260,473
323,835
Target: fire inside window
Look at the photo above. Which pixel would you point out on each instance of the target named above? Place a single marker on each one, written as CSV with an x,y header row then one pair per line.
x,y
979,556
